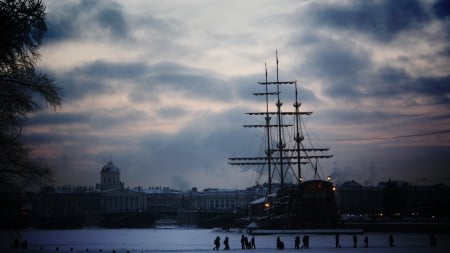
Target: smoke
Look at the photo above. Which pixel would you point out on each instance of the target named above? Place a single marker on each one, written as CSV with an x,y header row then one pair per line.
x,y
365,175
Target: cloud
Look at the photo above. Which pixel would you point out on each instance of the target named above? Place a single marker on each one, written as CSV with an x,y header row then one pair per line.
x,y
441,9
142,82
163,88
382,20
75,20
377,162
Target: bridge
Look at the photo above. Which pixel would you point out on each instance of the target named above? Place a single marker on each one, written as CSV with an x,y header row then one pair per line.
x,y
147,219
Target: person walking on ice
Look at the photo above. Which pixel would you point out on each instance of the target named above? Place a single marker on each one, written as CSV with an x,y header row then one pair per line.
x,y
217,243
338,245
226,244
391,241
355,241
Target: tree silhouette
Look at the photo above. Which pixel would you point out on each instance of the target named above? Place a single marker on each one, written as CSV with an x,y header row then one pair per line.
x,y
23,90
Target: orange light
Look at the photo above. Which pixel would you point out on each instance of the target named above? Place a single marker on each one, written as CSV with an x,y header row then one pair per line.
x,y
266,205
334,188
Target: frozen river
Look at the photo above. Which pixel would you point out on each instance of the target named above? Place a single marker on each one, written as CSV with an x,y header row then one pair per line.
x,y
201,240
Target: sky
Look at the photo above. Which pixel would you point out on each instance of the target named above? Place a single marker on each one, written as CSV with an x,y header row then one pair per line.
x,y
161,88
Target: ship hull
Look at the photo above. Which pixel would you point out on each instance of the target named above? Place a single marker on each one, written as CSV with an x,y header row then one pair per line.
x,y
309,205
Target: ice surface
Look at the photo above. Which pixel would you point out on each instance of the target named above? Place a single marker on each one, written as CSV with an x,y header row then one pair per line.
x,y
201,240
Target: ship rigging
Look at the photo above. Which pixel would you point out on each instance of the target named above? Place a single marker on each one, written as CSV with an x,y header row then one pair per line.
x,y
278,153
285,151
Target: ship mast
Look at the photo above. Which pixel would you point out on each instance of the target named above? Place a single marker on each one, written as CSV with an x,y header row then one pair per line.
x,y
268,152
280,145
286,156
297,138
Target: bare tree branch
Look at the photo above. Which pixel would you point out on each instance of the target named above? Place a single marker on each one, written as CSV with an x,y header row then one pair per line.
x,y
22,89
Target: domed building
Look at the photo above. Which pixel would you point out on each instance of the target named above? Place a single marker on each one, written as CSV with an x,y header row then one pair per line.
x,y
115,198
110,177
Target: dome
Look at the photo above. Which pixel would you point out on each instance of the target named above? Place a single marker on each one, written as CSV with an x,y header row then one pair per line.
x,y
110,167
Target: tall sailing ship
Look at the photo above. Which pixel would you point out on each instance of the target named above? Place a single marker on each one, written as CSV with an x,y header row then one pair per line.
x,y
306,203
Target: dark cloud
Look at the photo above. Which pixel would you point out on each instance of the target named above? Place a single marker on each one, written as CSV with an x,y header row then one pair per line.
x,y
98,120
436,87
74,20
143,82
114,21
97,78
382,20
55,118
348,73
108,22
337,45
340,66
79,82
391,82
112,71
441,9
175,78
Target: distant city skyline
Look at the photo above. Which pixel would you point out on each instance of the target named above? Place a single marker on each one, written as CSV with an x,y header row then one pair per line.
x,y
161,88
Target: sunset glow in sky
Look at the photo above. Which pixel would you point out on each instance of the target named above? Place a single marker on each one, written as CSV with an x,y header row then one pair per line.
x,y
161,87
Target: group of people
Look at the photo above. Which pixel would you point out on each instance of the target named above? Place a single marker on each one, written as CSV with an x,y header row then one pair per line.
x,y
246,244
19,244
305,241
225,243
366,241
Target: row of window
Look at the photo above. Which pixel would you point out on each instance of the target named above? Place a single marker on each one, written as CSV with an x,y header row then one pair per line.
x,y
221,203
121,203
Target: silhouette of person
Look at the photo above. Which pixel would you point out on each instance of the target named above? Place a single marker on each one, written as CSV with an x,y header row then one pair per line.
x,y
225,243
391,241
305,242
297,242
433,241
252,243
280,244
355,241
337,240
243,242
16,243
217,243
247,243
366,242
24,244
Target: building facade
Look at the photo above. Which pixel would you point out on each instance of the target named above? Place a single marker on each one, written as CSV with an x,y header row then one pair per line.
x,y
111,197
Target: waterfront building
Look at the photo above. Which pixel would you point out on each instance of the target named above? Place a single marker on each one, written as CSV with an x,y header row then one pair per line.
x,y
115,198
110,177
110,198
394,199
162,199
